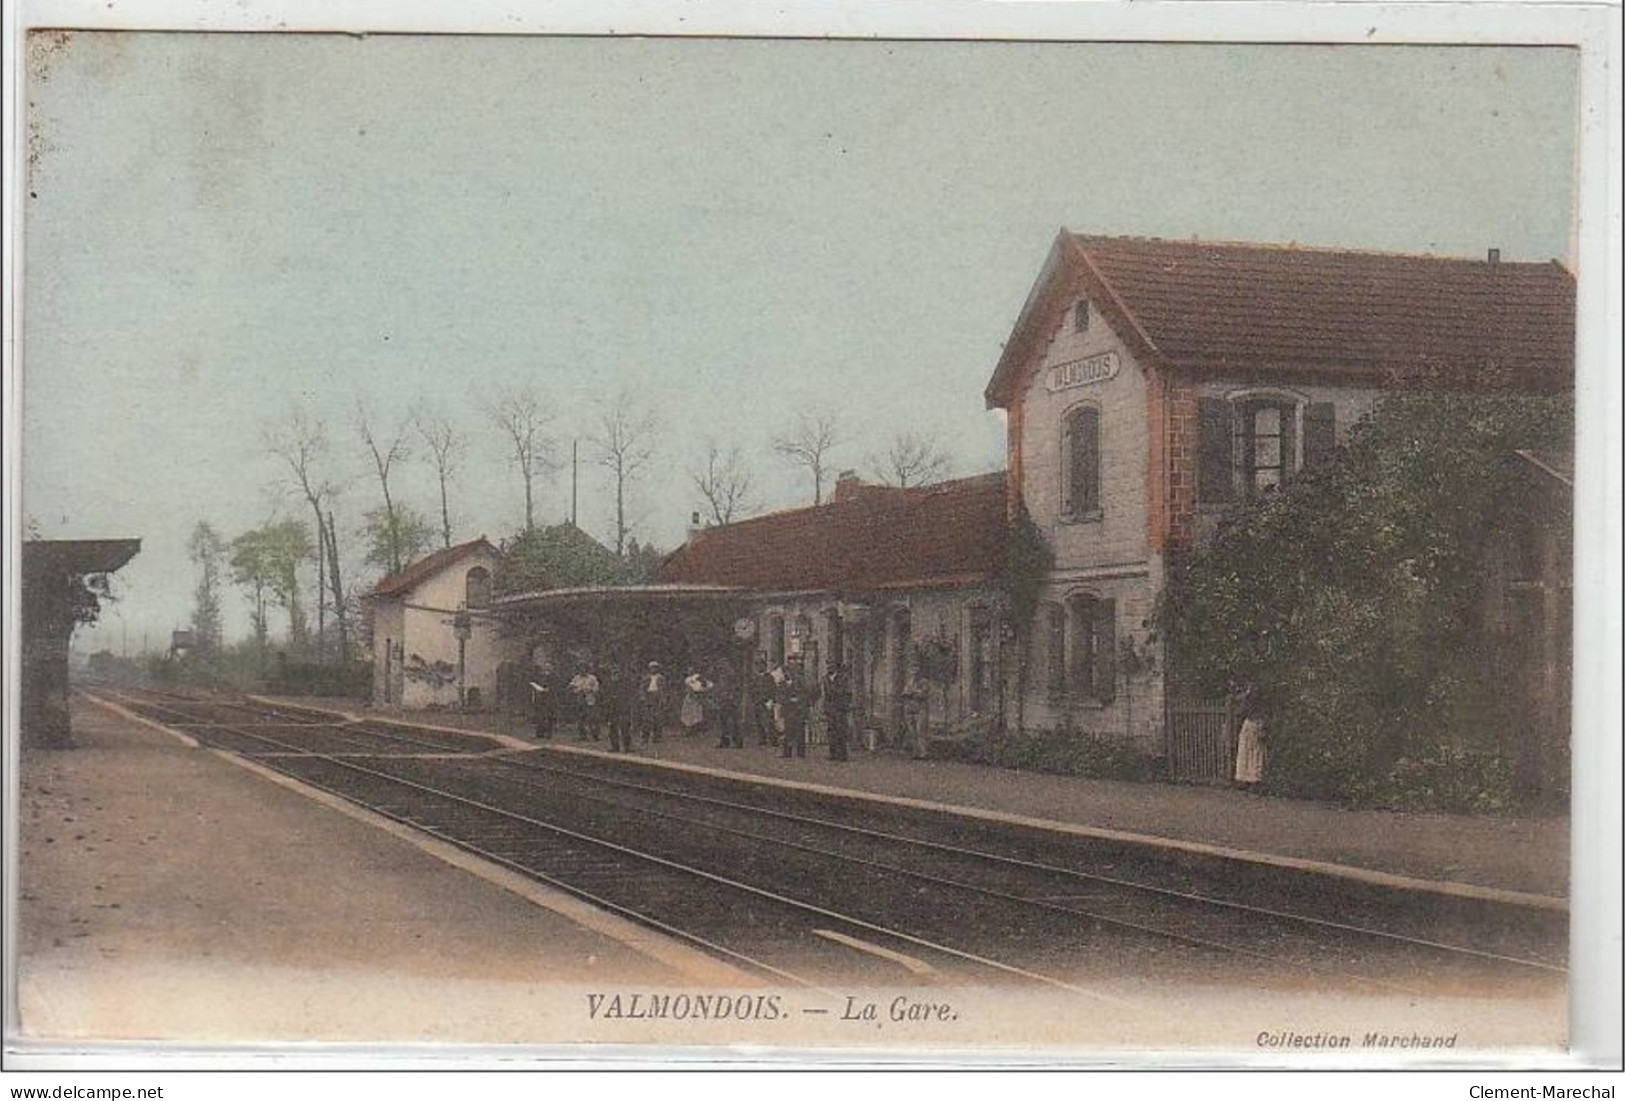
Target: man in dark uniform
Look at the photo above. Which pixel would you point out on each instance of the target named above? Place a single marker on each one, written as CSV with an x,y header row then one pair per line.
x,y
837,710
763,689
615,693
544,701
725,699
795,700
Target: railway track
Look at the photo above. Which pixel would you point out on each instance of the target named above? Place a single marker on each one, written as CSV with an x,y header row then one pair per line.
x,y
797,889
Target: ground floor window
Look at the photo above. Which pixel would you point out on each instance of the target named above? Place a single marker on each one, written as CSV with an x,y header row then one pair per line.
x,y
1080,659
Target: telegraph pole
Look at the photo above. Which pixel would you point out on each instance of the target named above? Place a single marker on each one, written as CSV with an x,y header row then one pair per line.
x,y
575,467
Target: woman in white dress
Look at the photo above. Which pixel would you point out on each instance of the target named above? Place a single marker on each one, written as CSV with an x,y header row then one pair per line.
x,y
1250,757
692,712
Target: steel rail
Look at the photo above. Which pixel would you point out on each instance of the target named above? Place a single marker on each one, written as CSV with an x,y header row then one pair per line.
x,y
1209,901
347,763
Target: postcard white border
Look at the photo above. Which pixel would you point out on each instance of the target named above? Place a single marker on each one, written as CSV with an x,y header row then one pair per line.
x,y
1591,28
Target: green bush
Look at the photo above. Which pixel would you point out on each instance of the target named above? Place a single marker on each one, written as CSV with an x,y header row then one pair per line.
x,y
1057,752
1351,605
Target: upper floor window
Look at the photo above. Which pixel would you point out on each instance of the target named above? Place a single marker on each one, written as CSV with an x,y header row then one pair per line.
x,y
1266,446
477,588
1249,444
1080,465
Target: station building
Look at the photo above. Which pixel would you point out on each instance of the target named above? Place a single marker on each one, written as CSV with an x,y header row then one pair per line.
x,y
1148,387
1151,385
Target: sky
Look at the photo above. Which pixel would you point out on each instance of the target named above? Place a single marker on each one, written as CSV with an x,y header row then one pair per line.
x,y
221,228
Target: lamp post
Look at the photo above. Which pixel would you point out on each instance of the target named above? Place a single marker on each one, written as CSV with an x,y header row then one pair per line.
x,y
462,625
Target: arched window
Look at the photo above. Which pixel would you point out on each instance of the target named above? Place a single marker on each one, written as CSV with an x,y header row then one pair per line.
x,y
1080,463
1266,445
477,588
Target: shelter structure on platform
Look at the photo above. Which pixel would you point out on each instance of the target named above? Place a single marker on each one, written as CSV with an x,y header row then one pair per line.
x,y
63,584
889,582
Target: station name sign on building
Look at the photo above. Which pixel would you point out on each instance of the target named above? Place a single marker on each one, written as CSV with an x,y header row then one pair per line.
x,y
1082,372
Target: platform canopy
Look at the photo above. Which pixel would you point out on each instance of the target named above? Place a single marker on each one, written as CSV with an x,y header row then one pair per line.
x,y
56,599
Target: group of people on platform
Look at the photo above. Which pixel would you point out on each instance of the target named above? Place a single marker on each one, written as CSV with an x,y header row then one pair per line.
x,y
771,705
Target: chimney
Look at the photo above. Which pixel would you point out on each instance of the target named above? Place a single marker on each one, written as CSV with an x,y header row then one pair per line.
x,y
846,486
1495,256
694,528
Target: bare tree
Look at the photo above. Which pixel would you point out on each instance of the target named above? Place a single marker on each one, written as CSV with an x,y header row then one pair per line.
x,y
912,458
520,416
724,480
301,444
809,445
624,440
447,448
386,448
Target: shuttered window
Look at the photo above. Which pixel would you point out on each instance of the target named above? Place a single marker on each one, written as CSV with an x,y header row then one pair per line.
x,y
1081,471
1055,648
1215,479
1319,434
1250,447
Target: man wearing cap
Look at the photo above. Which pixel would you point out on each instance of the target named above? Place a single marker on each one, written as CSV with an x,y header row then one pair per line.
x,y
651,703
795,699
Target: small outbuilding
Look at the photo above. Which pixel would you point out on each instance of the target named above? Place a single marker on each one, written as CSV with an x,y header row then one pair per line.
x,y
434,641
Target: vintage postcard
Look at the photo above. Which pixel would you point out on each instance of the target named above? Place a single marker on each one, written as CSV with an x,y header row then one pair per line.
x,y
1010,540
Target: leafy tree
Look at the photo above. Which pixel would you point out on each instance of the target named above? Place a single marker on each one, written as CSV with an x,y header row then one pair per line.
x,y
267,562
1349,603
641,563
396,537
207,551
558,557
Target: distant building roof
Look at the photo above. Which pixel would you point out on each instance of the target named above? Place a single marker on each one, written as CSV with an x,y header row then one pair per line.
x,y
867,538
405,580
1247,307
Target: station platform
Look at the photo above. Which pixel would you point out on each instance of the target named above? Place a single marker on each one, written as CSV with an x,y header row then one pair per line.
x,y
172,894
1515,860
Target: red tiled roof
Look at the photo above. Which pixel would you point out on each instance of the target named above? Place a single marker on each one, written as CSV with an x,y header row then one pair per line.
x,y
1248,307
405,580
876,537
